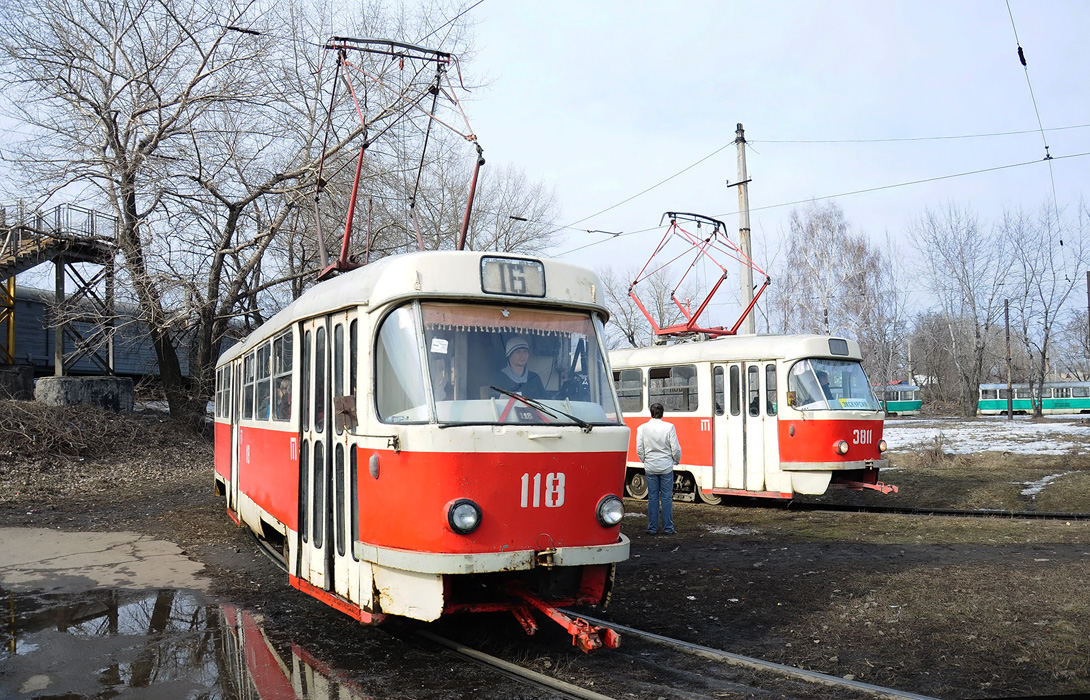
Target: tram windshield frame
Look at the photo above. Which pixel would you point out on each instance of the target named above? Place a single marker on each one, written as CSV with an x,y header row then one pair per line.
x,y
438,362
848,386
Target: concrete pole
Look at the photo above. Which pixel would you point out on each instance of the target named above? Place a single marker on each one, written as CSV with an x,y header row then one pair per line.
x,y
1010,384
59,317
744,240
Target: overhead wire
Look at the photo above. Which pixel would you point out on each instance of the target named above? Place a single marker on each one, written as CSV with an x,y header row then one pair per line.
x,y
1040,124
909,183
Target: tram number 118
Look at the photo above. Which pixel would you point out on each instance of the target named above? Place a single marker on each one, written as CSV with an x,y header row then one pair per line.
x,y
549,489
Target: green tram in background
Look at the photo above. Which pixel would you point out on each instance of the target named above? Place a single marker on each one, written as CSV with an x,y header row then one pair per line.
x,y
1056,397
899,398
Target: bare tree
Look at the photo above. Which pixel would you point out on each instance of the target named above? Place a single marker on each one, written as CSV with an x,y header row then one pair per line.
x,y
628,326
203,127
833,281
966,268
1071,351
1049,263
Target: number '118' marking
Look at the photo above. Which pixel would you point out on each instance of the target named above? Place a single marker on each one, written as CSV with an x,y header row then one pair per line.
x,y
553,490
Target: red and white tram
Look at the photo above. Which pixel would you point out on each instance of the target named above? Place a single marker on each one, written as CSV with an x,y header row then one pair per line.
x,y
360,432
752,416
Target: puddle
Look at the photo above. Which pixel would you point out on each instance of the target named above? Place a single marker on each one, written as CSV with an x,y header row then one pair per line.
x,y
166,644
120,615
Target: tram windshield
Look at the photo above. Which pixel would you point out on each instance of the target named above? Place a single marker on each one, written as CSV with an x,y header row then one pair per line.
x,y
492,364
819,384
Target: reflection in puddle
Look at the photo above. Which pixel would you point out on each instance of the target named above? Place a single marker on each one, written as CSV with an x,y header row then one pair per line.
x,y
168,643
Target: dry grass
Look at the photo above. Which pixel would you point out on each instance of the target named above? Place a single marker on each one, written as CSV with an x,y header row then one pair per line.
x,y
87,453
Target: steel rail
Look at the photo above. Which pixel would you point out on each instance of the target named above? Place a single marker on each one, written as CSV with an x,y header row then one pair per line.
x,y
513,670
947,512
761,665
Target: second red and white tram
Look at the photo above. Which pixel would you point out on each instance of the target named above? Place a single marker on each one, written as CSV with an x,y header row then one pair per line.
x,y
359,431
757,415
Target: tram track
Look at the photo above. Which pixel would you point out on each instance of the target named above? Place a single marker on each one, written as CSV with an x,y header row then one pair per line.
x,y
649,664
943,512
822,683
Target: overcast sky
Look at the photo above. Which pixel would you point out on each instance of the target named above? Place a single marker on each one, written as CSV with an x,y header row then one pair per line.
x,y
603,100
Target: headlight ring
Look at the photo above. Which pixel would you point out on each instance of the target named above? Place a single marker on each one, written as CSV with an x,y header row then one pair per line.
x,y
610,511
464,516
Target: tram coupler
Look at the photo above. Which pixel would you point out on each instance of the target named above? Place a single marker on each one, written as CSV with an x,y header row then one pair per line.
x,y
584,635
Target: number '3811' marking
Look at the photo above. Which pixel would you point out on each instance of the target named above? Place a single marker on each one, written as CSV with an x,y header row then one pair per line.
x,y
547,491
862,437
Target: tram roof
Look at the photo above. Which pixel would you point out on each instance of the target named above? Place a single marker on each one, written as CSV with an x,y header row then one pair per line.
x,y
449,274
736,347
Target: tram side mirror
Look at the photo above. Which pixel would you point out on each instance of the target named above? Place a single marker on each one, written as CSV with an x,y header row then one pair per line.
x,y
792,401
344,415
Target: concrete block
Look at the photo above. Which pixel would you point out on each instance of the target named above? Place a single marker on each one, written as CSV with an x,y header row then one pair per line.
x,y
112,393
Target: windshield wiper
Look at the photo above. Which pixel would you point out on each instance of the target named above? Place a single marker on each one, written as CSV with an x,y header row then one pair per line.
x,y
537,405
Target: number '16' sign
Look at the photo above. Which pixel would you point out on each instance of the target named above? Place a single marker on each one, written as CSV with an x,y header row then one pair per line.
x,y
547,490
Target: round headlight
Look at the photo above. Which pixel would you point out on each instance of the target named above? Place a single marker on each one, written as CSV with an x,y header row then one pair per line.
x,y
842,447
464,516
610,511
881,445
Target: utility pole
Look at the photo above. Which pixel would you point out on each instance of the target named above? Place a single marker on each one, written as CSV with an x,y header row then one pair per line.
x,y
1010,386
744,240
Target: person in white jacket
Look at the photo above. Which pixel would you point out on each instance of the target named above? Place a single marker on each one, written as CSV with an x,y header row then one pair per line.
x,y
658,449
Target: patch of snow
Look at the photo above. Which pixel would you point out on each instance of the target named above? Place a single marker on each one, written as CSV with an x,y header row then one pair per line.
x,y
1061,435
1035,487
732,531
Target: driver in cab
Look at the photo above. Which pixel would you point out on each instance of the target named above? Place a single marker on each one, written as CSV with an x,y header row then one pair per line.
x,y
515,376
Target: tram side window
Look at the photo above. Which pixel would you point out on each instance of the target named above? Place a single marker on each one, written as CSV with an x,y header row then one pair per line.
x,y
223,395
673,387
227,394
770,390
986,394
753,397
719,385
629,383
1004,394
282,366
263,387
219,393
1061,392
1022,393
735,390
248,386
1080,392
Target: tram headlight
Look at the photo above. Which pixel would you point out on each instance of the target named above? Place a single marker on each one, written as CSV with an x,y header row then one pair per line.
x,y
464,516
842,447
881,445
610,511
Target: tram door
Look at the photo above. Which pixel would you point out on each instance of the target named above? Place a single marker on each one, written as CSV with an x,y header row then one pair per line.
x,y
344,388
234,408
315,556
745,430
730,433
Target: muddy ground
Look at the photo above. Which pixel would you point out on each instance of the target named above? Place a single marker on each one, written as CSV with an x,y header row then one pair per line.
x,y
955,608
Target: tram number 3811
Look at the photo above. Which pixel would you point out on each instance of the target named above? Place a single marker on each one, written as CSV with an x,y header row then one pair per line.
x,y
862,437
551,487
